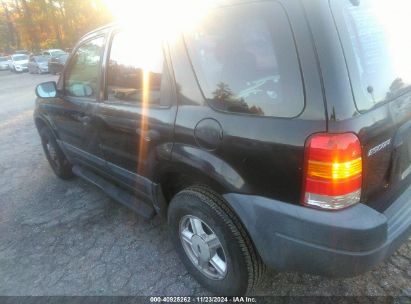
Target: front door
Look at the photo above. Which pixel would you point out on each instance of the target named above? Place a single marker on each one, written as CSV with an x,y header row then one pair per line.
x,y
75,114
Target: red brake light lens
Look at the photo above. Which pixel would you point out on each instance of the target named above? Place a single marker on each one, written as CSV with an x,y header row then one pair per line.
x,y
333,171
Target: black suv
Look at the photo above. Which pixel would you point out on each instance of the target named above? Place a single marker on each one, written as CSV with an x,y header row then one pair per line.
x,y
274,133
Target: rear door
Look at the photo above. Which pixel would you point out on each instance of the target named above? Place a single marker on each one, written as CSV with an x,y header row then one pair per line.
x,y
138,113
377,48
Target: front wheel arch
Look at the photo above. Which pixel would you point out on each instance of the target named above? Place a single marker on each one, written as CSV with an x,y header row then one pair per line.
x,y
41,122
55,156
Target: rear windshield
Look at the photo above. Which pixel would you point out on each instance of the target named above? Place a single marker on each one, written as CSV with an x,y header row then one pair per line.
x,y
41,58
57,53
20,57
246,61
377,44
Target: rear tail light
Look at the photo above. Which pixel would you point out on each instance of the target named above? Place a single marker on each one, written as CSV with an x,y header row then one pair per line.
x,y
332,171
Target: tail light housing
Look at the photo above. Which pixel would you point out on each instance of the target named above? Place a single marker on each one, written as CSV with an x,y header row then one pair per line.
x,y
332,171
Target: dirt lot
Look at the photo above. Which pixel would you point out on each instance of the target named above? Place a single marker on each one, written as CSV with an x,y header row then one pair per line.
x,y
68,238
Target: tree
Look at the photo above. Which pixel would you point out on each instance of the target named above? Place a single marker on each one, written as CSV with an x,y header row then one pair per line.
x,y
39,24
7,32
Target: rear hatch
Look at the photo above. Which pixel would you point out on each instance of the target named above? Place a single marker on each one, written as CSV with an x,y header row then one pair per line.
x,y
377,47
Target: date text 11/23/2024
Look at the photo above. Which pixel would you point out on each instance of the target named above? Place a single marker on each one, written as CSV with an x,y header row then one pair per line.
x,y
203,300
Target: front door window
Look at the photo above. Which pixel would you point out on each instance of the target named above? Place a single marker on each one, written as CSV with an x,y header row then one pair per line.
x,y
82,78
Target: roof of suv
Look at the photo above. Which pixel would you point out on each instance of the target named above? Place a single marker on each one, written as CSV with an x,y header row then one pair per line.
x,y
216,4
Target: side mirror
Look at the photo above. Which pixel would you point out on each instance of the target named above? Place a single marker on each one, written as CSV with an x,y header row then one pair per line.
x,y
47,90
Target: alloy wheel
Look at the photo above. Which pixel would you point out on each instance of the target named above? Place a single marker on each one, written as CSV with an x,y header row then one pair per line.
x,y
203,247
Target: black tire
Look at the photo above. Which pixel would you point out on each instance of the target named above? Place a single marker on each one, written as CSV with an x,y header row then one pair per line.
x,y
56,158
244,266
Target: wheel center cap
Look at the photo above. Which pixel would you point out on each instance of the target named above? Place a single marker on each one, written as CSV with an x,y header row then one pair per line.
x,y
201,248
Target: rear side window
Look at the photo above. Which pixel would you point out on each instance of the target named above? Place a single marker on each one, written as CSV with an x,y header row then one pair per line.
x,y
245,59
135,70
377,45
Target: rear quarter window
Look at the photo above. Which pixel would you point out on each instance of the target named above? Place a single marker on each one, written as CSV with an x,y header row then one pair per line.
x,y
377,46
246,61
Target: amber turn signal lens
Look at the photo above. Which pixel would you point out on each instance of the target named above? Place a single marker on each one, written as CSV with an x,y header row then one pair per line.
x,y
333,171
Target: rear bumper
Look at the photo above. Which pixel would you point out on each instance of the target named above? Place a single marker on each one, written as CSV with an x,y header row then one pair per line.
x,y
335,244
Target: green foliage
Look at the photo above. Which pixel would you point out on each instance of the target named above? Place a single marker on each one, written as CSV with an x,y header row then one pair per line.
x,y
3,31
40,24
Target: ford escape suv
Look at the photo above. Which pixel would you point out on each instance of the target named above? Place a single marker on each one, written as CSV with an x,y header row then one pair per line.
x,y
273,133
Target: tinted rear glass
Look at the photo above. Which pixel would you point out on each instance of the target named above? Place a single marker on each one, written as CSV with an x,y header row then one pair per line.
x,y
377,44
57,53
20,57
246,61
41,58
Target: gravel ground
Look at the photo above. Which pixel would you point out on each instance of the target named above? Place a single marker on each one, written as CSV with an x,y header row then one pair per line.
x,y
68,238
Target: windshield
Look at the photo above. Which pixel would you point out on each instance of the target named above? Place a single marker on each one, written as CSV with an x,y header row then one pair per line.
x,y
40,58
378,48
20,57
2,59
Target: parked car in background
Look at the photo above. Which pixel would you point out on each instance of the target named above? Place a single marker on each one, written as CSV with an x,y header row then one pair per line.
x,y
56,64
5,63
38,64
19,63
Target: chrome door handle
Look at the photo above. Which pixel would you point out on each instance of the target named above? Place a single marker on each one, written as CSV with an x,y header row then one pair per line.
x,y
148,135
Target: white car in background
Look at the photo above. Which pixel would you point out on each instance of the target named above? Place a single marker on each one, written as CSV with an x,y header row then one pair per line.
x,y
19,63
5,63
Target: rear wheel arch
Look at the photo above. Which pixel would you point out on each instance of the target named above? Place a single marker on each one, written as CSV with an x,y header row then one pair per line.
x,y
193,165
174,177
190,166
175,180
